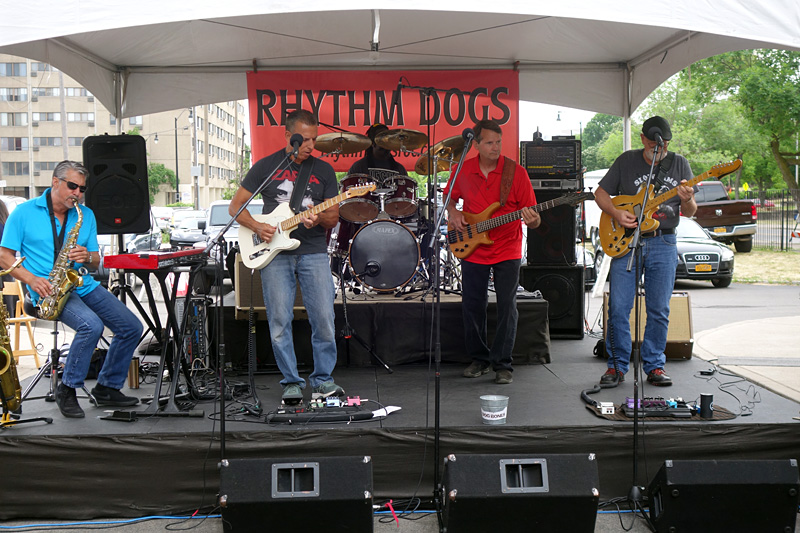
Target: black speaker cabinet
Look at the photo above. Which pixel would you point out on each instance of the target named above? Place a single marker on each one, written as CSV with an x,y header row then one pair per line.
x,y
562,287
553,242
557,492
725,496
117,186
321,494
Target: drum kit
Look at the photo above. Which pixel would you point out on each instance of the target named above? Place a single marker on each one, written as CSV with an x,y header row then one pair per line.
x,y
376,244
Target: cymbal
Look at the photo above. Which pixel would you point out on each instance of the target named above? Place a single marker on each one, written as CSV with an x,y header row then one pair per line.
x,y
447,151
342,143
401,139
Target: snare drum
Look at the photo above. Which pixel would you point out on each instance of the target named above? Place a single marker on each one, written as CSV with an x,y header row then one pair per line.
x,y
362,208
384,255
402,202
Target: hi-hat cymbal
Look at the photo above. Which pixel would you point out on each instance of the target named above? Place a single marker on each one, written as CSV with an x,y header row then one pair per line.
x,y
401,139
342,143
447,151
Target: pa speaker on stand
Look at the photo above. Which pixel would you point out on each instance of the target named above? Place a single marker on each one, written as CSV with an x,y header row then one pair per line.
x,y
117,189
562,287
553,242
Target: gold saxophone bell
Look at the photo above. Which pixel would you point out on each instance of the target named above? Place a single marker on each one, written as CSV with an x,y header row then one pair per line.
x,y
9,379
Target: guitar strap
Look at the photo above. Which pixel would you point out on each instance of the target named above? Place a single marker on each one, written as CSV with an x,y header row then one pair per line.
x,y
663,169
300,184
508,178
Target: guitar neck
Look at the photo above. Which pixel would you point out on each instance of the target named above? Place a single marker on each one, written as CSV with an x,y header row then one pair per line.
x,y
491,223
292,222
661,198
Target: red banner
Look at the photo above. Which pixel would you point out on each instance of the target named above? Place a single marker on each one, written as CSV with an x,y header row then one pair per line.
x,y
354,100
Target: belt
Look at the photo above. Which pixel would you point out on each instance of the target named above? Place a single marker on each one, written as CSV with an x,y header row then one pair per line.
x,y
658,233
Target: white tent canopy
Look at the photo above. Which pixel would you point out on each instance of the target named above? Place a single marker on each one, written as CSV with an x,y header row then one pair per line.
x,y
149,56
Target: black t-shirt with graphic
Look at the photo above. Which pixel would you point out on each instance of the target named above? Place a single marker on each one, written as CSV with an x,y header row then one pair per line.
x,y
629,173
321,186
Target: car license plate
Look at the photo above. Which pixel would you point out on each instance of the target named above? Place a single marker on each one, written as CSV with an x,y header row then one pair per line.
x,y
702,268
719,229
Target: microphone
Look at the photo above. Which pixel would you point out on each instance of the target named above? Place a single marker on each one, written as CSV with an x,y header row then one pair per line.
x,y
396,94
296,140
654,134
468,134
372,268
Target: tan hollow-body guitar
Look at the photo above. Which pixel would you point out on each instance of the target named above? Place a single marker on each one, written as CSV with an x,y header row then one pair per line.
x,y
615,238
464,243
258,254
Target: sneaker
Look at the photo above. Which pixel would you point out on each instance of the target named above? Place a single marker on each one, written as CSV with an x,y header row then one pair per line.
x,y
659,377
112,397
325,389
611,378
476,369
503,377
67,402
292,393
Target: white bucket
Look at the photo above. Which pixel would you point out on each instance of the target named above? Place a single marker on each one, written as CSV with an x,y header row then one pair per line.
x,y
494,409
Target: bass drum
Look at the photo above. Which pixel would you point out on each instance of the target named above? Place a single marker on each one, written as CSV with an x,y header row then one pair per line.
x,y
384,255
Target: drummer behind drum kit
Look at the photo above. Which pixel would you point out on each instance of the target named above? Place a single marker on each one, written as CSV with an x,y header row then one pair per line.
x,y
376,243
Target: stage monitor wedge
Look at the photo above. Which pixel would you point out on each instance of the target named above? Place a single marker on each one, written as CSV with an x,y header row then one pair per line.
x,y
330,494
520,493
726,496
117,188
562,287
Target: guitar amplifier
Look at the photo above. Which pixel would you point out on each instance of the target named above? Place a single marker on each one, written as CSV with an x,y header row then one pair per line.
x,y
557,157
248,291
680,336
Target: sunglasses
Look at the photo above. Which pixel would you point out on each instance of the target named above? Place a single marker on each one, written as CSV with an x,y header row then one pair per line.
x,y
72,185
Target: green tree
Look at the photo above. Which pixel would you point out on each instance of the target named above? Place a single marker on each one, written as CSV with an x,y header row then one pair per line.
x,y
158,175
596,133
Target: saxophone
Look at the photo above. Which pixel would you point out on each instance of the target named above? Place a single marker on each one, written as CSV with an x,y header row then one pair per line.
x,y
63,278
9,379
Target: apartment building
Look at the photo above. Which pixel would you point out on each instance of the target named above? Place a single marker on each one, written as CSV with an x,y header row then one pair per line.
x,y
45,115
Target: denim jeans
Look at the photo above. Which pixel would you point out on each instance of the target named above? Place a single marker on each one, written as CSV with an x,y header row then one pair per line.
x,y
474,302
659,260
88,316
316,283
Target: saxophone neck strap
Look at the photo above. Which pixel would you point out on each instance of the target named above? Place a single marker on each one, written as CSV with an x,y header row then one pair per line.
x,y
58,238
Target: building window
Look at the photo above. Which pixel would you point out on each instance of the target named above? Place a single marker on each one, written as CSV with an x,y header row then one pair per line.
x,y
46,117
75,141
14,144
47,141
39,166
80,117
13,69
77,91
13,94
16,168
46,91
37,66
136,121
112,120
13,119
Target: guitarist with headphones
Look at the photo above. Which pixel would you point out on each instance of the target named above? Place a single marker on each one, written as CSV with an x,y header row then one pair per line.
x,y
627,175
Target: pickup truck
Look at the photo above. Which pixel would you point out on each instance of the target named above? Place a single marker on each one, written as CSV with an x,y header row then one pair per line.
x,y
728,221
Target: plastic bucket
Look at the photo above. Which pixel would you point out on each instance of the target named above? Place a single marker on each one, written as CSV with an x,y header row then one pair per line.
x,y
494,409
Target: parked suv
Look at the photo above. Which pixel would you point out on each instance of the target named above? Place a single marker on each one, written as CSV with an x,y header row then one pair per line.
x,y
216,219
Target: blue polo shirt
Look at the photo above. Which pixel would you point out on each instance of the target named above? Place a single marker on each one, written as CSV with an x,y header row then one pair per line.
x,y
29,232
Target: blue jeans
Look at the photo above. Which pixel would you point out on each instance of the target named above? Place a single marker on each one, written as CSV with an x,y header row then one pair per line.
x,y
316,283
475,300
88,316
659,260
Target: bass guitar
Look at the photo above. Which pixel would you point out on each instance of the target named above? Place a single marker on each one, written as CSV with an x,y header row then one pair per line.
x,y
464,243
258,254
615,238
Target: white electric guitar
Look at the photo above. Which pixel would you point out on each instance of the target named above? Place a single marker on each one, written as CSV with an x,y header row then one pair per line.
x,y
258,254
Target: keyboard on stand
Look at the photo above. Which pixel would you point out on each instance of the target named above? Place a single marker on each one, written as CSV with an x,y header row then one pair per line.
x,y
155,260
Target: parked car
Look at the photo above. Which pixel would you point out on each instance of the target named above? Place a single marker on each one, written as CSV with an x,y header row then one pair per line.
x,y
728,221
218,217
181,214
702,258
12,201
589,211
187,232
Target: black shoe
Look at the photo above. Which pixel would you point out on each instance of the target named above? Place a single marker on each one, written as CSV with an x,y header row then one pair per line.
x,y
476,369
611,378
112,397
659,377
67,402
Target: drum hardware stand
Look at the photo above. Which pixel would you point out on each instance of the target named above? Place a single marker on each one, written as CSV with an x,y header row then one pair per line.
x,y
348,332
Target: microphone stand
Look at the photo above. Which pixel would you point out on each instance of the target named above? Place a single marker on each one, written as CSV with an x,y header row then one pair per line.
x,y
218,241
635,493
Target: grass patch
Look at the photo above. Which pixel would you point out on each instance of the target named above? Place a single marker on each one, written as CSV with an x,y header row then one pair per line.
x,y
767,266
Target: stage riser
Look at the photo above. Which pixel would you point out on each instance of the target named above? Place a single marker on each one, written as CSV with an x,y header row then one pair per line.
x,y
397,330
158,473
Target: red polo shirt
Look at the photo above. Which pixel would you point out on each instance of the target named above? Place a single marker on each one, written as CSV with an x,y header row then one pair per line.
x,y
479,192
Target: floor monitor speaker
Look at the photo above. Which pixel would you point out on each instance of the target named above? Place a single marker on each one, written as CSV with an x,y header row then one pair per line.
x,y
117,189
553,242
725,496
556,492
562,287
319,494
680,335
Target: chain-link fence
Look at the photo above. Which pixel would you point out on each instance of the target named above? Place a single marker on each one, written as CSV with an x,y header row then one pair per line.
x,y
778,222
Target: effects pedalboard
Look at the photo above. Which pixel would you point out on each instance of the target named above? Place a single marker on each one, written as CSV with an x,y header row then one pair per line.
x,y
331,409
657,406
